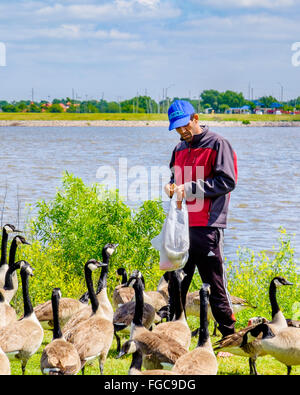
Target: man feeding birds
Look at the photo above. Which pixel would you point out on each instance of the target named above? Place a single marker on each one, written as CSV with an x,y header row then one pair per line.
x,y
204,172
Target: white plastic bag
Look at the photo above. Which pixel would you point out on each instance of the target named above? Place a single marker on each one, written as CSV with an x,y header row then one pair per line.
x,y
173,242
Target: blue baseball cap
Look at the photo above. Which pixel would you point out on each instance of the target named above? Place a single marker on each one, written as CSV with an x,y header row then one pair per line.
x,y
179,113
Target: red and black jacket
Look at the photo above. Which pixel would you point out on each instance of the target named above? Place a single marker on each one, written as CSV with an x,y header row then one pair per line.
x,y
208,169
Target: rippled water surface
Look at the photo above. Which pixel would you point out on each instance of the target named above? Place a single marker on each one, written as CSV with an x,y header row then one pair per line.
x,y
267,195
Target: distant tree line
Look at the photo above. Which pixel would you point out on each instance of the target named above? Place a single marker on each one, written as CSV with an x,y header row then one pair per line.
x,y
212,99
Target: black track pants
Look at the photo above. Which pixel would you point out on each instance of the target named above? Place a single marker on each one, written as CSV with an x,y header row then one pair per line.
x,y
206,252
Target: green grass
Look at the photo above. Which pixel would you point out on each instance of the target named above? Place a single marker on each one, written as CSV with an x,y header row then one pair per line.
x,y
227,366
140,117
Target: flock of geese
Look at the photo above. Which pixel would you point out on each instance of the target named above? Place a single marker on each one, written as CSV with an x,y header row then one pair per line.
x,y
155,322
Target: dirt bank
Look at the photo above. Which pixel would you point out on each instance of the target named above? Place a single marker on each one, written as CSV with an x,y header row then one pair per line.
x,y
141,124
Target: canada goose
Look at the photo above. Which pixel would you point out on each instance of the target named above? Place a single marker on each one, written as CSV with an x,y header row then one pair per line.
x,y
235,343
124,314
59,357
121,293
3,262
201,360
8,289
163,284
123,317
132,347
155,347
178,328
17,241
4,364
158,298
7,312
67,308
21,339
292,323
284,345
93,337
193,302
104,303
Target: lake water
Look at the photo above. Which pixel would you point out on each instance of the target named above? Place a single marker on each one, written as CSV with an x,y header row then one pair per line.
x,y
267,195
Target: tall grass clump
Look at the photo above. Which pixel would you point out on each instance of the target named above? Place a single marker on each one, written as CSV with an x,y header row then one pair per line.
x,y
250,276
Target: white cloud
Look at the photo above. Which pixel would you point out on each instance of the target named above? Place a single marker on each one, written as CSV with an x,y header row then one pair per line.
x,y
251,3
262,28
113,10
68,32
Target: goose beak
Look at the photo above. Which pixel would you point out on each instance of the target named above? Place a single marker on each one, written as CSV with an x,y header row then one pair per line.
x,y
131,279
101,264
121,353
289,283
18,231
26,242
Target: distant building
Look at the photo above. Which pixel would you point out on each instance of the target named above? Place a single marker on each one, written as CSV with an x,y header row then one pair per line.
x,y
64,107
239,110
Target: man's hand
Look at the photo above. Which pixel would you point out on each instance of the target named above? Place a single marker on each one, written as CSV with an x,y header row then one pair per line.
x,y
169,189
179,190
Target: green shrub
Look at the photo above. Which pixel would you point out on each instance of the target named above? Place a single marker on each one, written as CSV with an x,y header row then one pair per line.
x,y
81,219
251,275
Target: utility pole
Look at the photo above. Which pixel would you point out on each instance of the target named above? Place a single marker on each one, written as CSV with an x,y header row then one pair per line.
x,y
281,92
167,100
119,102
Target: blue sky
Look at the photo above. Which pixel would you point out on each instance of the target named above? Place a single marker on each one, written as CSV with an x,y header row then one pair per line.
x,y
117,48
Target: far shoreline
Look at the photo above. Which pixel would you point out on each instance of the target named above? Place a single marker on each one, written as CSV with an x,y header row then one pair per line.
x,y
138,123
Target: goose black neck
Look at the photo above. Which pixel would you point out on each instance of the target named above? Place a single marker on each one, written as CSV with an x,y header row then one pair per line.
x,y
90,287
139,303
102,283
3,260
124,277
84,298
12,252
137,360
273,300
203,332
8,285
57,334
28,309
175,296
264,328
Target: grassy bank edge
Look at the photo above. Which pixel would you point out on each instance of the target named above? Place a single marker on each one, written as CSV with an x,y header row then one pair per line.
x,y
144,117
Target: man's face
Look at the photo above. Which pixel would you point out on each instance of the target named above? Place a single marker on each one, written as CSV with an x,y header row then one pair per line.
x,y
186,132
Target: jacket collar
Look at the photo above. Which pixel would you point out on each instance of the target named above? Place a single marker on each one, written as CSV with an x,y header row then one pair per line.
x,y
198,137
